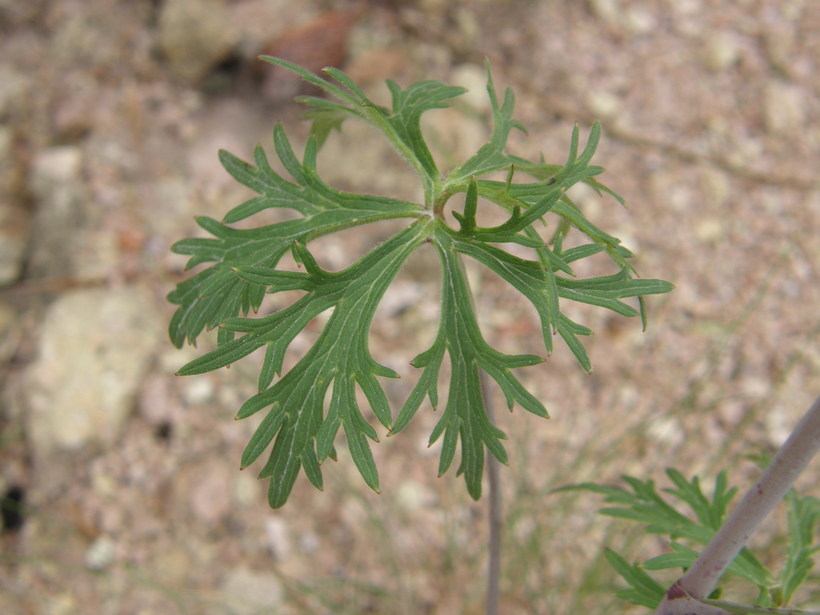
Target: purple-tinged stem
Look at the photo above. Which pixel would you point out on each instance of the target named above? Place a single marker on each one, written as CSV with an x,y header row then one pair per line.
x,y
792,458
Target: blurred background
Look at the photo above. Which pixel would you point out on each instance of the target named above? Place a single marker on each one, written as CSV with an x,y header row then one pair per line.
x,y
120,481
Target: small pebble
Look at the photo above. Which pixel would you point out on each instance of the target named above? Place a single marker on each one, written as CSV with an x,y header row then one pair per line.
x,y
721,51
278,537
100,554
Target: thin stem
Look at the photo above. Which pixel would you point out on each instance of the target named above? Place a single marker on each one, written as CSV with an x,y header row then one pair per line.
x,y
494,513
759,501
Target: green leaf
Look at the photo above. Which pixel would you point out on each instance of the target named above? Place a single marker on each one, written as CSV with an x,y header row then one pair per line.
x,y
710,514
326,117
747,568
491,157
401,125
306,406
803,518
527,277
408,106
642,503
340,357
217,293
645,591
464,418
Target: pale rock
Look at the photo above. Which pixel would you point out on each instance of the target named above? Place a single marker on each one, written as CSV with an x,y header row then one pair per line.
x,y
277,534
93,349
754,386
784,107
628,239
250,592
778,426
710,230
100,554
247,490
67,223
196,391
412,496
608,10
473,78
55,167
640,21
195,35
604,105
721,51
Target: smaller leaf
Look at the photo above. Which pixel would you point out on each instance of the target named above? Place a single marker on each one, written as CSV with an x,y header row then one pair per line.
x,y
569,332
310,463
467,221
645,590
803,518
304,258
325,120
311,78
679,559
362,457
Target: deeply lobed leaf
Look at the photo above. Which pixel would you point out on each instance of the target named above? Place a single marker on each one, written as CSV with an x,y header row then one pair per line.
x,y
642,503
310,403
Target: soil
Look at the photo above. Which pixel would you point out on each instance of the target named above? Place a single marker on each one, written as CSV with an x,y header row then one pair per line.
x,y
111,115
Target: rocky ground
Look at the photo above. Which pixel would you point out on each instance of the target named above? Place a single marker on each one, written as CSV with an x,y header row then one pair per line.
x,y
111,113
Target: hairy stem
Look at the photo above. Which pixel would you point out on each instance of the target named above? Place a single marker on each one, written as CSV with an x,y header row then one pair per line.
x,y
494,513
792,458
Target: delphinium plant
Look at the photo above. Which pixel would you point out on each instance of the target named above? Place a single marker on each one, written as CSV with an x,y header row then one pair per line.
x,y
722,535
306,406
243,269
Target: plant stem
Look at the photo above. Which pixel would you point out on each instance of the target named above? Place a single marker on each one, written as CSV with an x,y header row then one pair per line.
x,y
494,513
792,458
